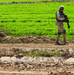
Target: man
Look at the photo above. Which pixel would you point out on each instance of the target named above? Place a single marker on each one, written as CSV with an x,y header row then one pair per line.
x,y
60,18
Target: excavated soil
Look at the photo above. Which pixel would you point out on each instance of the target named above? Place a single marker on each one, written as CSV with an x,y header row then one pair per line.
x,y
17,56
37,68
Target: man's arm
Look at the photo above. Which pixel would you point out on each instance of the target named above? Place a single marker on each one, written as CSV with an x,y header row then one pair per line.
x,y
66,20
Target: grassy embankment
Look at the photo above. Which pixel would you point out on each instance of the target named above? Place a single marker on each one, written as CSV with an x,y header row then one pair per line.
x,y
34,19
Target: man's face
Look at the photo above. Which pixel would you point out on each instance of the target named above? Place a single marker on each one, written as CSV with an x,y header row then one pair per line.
x,y
61,9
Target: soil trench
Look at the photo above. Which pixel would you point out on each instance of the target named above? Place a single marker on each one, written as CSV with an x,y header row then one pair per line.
x,y
13,62
30,45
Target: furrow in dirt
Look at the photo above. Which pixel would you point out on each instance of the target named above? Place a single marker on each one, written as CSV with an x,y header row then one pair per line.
x,y
36,65
45,45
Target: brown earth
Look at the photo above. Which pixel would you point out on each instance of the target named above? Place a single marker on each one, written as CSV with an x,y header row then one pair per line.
x,y
31,43
27,2
17,48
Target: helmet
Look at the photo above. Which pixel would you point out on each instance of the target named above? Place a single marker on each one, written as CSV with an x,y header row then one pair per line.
x,y
61,7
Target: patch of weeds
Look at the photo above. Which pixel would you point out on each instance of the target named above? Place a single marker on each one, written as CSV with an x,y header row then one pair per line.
x,y
61,53
32,53
26,54
38,52
35,53
67,51
72,61
6,53
5,41
54,53
43,53
12,38
38,41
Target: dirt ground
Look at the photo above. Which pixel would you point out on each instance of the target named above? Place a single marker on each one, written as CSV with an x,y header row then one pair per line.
x,y
16,47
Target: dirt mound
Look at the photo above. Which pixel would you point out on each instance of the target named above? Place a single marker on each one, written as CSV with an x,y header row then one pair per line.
x,y
30,39
2,34
38,39
27,39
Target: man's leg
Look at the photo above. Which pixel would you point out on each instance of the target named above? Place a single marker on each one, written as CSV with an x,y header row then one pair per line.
x,y
64,36
59,33
58,36
61,29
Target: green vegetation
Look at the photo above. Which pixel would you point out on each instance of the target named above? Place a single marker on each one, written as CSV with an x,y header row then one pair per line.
x,y
33,53
25,54
38,41
54,53
67,51
34,19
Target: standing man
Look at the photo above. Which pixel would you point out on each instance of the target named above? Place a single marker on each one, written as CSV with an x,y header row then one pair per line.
x,y
60,18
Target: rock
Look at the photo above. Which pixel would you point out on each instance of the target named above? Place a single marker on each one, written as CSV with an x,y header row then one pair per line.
x,y
2,34
17,40
21,68
24,39
6,59
71,51
19,55
70,60
7,38
21,65
13,59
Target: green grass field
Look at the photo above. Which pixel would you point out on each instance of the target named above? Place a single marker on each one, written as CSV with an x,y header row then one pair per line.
x,y
34,19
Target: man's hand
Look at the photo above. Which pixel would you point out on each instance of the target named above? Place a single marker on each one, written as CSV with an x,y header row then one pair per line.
x,y
68,26
67,20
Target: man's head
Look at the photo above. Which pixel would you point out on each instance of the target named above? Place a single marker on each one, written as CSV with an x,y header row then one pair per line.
x,y
61,8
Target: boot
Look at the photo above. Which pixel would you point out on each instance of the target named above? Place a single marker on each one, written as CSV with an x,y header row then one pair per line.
x,y
64,38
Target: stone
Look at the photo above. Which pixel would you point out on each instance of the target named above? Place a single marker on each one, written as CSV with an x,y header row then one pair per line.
x,y
7,59
17,40
7,38
13,59
71,51
19,55
70,60
2,34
